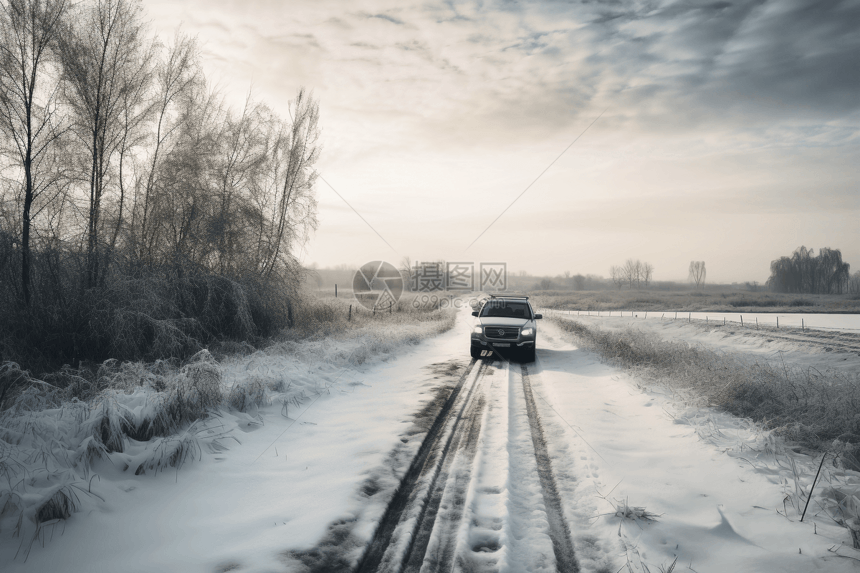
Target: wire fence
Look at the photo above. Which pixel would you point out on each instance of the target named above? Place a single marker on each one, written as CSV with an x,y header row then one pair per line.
x,y
837,322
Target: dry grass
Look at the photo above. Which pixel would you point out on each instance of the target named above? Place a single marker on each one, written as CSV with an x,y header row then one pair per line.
x,y
818,410
814,408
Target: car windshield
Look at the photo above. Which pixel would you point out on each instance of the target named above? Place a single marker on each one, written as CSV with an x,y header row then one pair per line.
x,y
507,309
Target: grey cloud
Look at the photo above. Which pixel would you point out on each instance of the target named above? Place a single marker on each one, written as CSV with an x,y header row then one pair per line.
x,y
339,22
801,55
387,18
672,66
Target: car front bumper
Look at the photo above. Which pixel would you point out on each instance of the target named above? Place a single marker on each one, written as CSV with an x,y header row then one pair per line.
x,y
483,343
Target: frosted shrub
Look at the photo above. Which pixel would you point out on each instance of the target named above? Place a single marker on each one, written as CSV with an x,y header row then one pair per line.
x,y
251,393
108,422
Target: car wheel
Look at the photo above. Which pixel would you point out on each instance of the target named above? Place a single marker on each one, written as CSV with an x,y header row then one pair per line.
x,y
529,355
475,352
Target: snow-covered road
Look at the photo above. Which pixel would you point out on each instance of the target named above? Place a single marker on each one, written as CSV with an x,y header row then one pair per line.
x,y
428,461
456,510
567,465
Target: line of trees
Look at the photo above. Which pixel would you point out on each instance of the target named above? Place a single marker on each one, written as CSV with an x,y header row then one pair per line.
x,y
634,273
806,272
120,164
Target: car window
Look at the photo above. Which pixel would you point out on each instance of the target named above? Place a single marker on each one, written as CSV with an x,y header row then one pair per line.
x,y
507,309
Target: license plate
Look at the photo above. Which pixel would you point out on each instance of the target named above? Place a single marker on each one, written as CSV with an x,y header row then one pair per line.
x,y
505,344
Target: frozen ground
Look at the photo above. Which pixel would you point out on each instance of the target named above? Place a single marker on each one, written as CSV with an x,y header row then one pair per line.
x,y
544,468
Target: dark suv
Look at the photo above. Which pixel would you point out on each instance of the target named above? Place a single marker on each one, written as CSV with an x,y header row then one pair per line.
x,y
505,322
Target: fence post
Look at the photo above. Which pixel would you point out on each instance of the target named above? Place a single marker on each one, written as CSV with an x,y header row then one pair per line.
x,y
690,317
646,314
335,290
756,323
349,318
389,306
742,320
777,322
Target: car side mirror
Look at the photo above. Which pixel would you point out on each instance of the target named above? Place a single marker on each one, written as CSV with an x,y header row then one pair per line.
x,y
474,313
537,316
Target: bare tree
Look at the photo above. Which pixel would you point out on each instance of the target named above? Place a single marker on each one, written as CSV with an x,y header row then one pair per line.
x,y
617,275
186,191
853,286
176,75
647,273
105,56
406,272
242,151
698,273
28,107
295,153
633,272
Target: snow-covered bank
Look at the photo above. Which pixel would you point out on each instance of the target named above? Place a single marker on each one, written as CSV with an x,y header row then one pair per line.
x,y
254,483
729,495
319,471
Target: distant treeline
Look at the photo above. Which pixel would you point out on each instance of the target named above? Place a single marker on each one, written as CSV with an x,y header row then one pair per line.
x,y
805,272
140,215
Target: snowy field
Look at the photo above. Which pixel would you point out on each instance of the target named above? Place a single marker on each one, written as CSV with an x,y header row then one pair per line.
x,y
643,480
832,348
842,322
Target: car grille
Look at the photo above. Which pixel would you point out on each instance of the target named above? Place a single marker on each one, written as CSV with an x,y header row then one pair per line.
x,y
502,332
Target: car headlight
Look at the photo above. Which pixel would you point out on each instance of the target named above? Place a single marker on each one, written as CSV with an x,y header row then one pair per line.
x,y
528,332
477,330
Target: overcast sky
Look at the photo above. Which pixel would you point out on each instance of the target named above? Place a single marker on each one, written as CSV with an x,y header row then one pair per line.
x,y
729,130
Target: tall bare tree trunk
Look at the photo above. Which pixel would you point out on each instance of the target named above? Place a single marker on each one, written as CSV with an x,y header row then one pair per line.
x,y
27,32
104,58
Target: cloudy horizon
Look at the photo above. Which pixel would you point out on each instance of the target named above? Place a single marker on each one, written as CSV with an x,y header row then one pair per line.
x,y
729,130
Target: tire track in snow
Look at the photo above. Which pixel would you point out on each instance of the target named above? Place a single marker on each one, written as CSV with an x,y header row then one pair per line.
x,y
559,531
382,551
434,545
458,510
482,543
